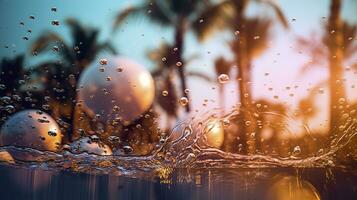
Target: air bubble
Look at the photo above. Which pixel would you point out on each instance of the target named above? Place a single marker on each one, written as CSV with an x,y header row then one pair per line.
x,y
223,78
183,101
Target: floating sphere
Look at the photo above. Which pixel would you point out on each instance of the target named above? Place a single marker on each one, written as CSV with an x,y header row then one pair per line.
x,y
31,128
118,89
214,134
86,145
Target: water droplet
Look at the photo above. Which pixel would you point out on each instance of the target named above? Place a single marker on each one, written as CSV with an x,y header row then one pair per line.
x,y
10,109
183,101
21,82
52,133
6,99
165,93
321,90
226,122
127,149
103,61
296,150
55,48
223,78
46,107
55,23
341,100
113,139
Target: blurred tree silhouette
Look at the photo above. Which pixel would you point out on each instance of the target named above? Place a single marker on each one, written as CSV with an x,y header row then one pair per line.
x,y
166,95
12,71
270,116
251,37
164,76
12,74
222,66
334,43
59,78
183,15
17,87
332,49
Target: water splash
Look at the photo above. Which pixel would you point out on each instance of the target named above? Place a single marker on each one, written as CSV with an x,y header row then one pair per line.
x,y
187,146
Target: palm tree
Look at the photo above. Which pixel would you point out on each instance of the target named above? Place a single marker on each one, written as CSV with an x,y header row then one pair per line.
x,y
222,66
164,59
337,45
183,15
17,88
60,77
334,44
12,71
269,116
166,96
233,12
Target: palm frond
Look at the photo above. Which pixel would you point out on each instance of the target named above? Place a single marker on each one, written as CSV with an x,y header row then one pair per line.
x,y
125,14
48,68
79,32
213,18
313,47
163,56
11,71
107,46
201,76
42,43
88,46
277,10
158,14
257,35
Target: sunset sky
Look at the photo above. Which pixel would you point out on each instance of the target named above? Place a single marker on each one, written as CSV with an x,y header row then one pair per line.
x,y
281,60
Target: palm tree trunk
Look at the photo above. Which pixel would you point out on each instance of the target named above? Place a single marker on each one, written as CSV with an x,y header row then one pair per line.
x,y
179,42
221,97
337,90
243,77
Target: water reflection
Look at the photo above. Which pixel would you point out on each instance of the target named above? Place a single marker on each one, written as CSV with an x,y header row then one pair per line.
x,y
292,188
283,183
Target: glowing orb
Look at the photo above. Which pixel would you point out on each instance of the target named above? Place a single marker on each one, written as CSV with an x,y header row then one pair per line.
x,y
116,89
31,128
